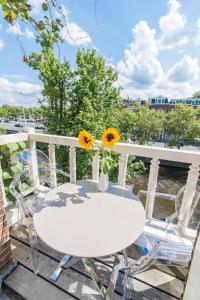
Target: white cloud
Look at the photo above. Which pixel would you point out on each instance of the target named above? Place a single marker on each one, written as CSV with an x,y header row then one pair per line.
x,y
140,63
36,6
72,33
75,35
140,71
29,34
20,92
196,38
185,70
173,27
14,76
16,29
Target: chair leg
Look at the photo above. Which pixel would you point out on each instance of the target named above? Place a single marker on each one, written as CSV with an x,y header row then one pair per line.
x,y
128,279
33,244
128,286
113,279
56,273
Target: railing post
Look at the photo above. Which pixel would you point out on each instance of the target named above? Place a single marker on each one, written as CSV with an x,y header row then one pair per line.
x,y
188,196
2,187
52,165
72,164
153,175
33,163
123,161
95,167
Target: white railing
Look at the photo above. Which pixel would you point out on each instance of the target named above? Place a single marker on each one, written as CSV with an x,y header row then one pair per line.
x,y
155,153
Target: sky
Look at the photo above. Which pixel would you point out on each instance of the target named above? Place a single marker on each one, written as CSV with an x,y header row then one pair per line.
x,y
154,45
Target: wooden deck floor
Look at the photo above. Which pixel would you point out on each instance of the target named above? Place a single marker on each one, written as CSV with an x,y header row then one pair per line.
x,y
74,283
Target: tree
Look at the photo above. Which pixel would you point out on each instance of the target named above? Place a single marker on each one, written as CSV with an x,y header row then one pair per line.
x,y
196,95
57,78
74,99
94,96
21,9
182,124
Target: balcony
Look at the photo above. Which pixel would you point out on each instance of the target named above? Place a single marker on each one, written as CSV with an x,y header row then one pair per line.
x,y
155,283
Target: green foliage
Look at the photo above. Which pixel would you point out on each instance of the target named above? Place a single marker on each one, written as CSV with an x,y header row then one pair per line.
x,y
21,9
2,131
6,152
83,98
10,111
196,95
141,122
182,124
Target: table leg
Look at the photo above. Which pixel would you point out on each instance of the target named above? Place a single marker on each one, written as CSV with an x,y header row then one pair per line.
x,y
93,272
67,259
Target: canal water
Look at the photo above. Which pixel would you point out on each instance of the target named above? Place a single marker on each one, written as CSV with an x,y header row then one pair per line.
x,y
170,180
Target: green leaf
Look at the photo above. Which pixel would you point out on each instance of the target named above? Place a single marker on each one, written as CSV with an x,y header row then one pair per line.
x,y
44,6
5,10
13,147
18,168
22,145
24,186
3,2
6,175
13,15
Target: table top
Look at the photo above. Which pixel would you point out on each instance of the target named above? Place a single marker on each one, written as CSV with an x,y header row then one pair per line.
x,y
78,220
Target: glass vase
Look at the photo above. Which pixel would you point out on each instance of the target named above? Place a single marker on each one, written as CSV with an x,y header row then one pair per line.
x,y
103,182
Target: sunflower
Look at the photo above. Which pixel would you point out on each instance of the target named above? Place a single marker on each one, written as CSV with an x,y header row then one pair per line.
x,y
86,140
110,137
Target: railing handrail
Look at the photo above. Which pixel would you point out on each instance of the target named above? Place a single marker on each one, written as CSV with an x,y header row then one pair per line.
x,y
184,156
179,155
13,138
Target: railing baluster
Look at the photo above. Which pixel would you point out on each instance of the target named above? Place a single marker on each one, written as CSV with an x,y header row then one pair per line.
x,y
95,167
52,163
184,215
153,175
72,164
123,161
2,187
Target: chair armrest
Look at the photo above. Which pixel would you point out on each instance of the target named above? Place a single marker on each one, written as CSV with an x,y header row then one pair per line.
x,y
159,195
61,172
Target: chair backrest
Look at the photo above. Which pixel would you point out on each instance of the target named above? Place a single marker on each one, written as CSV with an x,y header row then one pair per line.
x,y
195,208
24,157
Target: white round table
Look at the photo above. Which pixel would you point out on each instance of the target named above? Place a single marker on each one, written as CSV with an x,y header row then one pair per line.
x,y
78,220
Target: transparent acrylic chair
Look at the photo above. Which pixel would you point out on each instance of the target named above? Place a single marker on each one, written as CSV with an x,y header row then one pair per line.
x,y
163,244
27,195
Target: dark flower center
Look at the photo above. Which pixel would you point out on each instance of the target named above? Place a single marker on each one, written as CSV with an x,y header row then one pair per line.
x,y
110,137
86,139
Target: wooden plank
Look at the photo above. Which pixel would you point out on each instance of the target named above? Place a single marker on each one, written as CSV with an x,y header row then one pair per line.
x,y
71,281
104,269
177,272
154,277
80,286
31,287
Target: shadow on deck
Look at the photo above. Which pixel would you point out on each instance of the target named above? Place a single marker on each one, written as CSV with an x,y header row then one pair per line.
x,y
74,283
